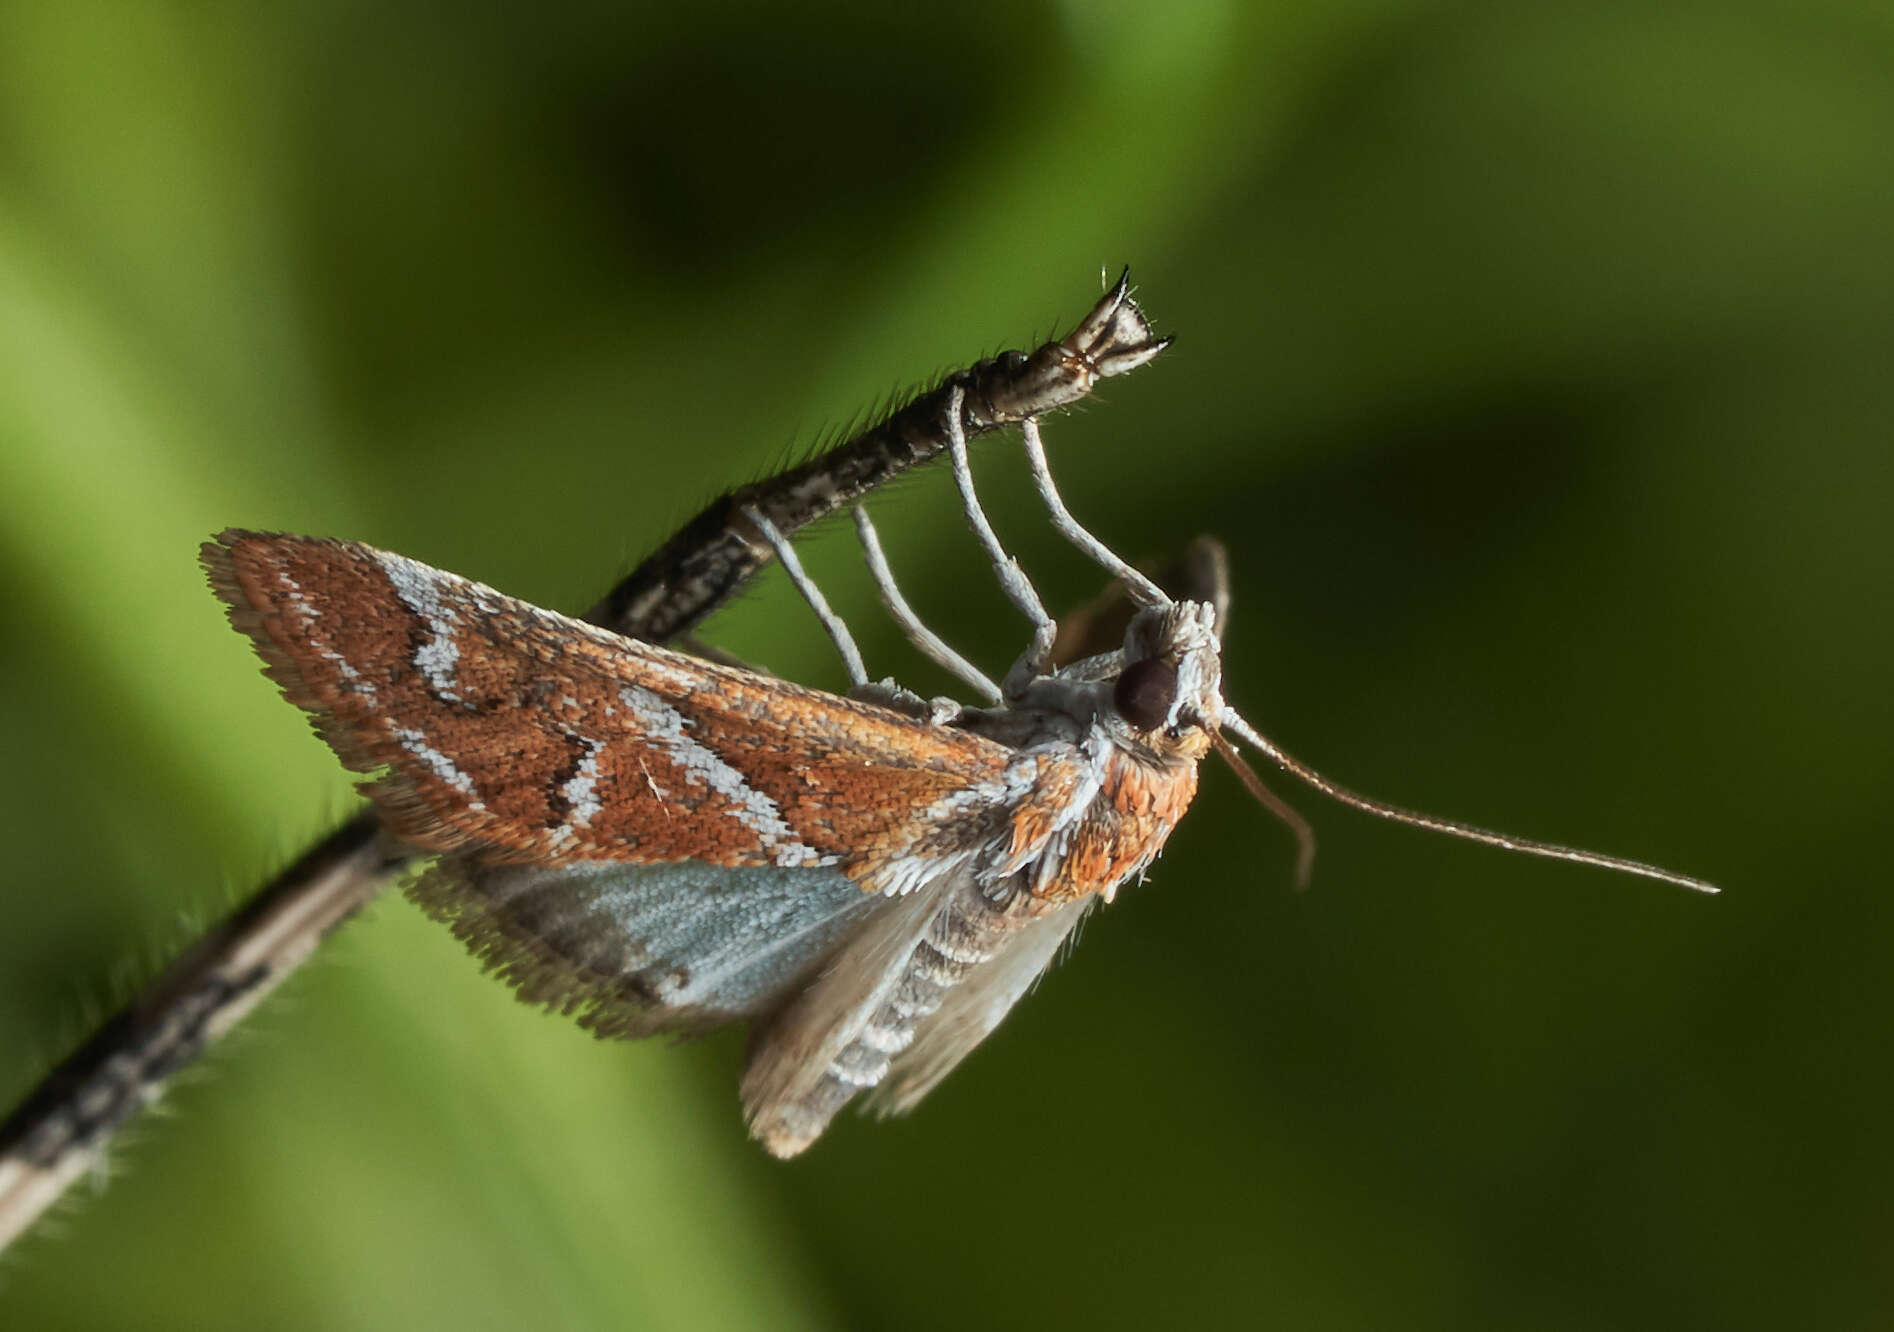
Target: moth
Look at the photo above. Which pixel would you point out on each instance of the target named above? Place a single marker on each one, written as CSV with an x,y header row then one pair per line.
x,y
651,841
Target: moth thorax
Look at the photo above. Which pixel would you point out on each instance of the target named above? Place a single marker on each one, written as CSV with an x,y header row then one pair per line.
x,y
1139,801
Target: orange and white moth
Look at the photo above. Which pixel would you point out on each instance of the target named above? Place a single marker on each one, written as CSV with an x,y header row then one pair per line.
x,y
651,841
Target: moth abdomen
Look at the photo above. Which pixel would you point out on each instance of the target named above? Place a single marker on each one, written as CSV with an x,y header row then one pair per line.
x,y
965,935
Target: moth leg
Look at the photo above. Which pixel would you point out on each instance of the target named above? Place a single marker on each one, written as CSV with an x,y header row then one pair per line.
x,y
1036,659
1142,589
831,622
934,711
925,640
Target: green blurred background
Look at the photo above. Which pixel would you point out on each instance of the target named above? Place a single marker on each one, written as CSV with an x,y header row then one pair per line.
x,y
1534,362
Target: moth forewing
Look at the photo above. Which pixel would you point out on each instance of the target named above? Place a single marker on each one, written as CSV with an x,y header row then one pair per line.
x,y
516,735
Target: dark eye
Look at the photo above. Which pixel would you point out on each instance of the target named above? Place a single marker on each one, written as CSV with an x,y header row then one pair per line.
x,y
1145,692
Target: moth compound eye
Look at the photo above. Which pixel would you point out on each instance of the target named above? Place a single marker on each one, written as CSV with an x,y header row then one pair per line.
x,y
1145,692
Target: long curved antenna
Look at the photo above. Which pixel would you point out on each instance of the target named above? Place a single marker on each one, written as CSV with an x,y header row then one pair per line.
x,y
1549,850
1275,804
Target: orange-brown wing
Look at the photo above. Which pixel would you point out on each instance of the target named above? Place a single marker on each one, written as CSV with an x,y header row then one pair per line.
x,y
513,734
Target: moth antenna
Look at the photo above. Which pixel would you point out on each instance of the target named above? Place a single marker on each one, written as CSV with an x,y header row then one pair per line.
x,y
1142,589
1302,772
1275,804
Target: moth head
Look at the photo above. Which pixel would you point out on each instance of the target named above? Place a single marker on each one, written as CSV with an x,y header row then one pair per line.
x,y
1169,695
